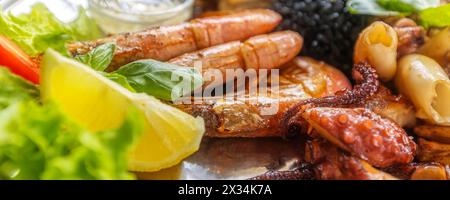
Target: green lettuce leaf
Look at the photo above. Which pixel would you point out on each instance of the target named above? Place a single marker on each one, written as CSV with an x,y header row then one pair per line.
x,y
14,89
389,7
39,142
368,7
400,6
430,12
39,30
161,80
438,17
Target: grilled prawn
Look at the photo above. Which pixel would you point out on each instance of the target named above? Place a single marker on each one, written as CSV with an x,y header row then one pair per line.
x,y
167,42
263,51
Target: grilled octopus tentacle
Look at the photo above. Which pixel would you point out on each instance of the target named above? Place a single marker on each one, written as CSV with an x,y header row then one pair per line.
x,y
363,134
367,85
303,172
331,163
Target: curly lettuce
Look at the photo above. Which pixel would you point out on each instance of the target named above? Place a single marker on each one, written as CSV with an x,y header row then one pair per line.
x,y
39,142
39,30
14,89
438,17
389,7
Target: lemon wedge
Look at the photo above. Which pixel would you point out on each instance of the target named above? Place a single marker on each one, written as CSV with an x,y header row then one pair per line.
x,y
100,104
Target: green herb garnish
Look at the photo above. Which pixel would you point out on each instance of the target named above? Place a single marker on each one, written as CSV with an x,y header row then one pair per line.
x,y
39,30
430,12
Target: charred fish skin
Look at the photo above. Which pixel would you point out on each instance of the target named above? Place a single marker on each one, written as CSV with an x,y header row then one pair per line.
x,y
238,119
166,42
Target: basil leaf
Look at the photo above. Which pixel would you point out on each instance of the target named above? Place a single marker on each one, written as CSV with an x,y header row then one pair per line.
x,y
120,79
99,58
438,17
161,80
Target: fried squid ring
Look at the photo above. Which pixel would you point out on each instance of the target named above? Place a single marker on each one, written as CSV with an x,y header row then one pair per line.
x,y
378,44
427,85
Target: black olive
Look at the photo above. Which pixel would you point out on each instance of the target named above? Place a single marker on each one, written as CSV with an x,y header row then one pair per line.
x,y
329,30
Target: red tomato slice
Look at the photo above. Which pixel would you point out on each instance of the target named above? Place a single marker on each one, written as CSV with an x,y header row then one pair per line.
x,y
12,57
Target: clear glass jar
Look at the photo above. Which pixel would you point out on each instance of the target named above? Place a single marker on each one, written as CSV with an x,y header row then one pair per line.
x,y
116,16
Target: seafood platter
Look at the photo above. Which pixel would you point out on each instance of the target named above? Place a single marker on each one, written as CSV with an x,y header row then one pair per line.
x,y
225,89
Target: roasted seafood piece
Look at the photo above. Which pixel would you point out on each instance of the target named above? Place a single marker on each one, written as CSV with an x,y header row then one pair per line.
x,y
394,107
431,171
326,162
434,133
303,78
259,52
359,131
430,151
378,45
370,94
364,134
302,172
167,42
410,36
438,48
420,171
330,163
316,77
367,85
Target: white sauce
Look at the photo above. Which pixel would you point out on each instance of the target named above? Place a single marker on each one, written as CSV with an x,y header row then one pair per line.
x,y
115,16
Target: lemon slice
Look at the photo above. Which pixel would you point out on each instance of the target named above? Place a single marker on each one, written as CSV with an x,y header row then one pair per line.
x,y
100,104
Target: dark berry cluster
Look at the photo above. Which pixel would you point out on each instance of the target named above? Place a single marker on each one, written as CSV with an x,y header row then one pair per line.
x,y
329,30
